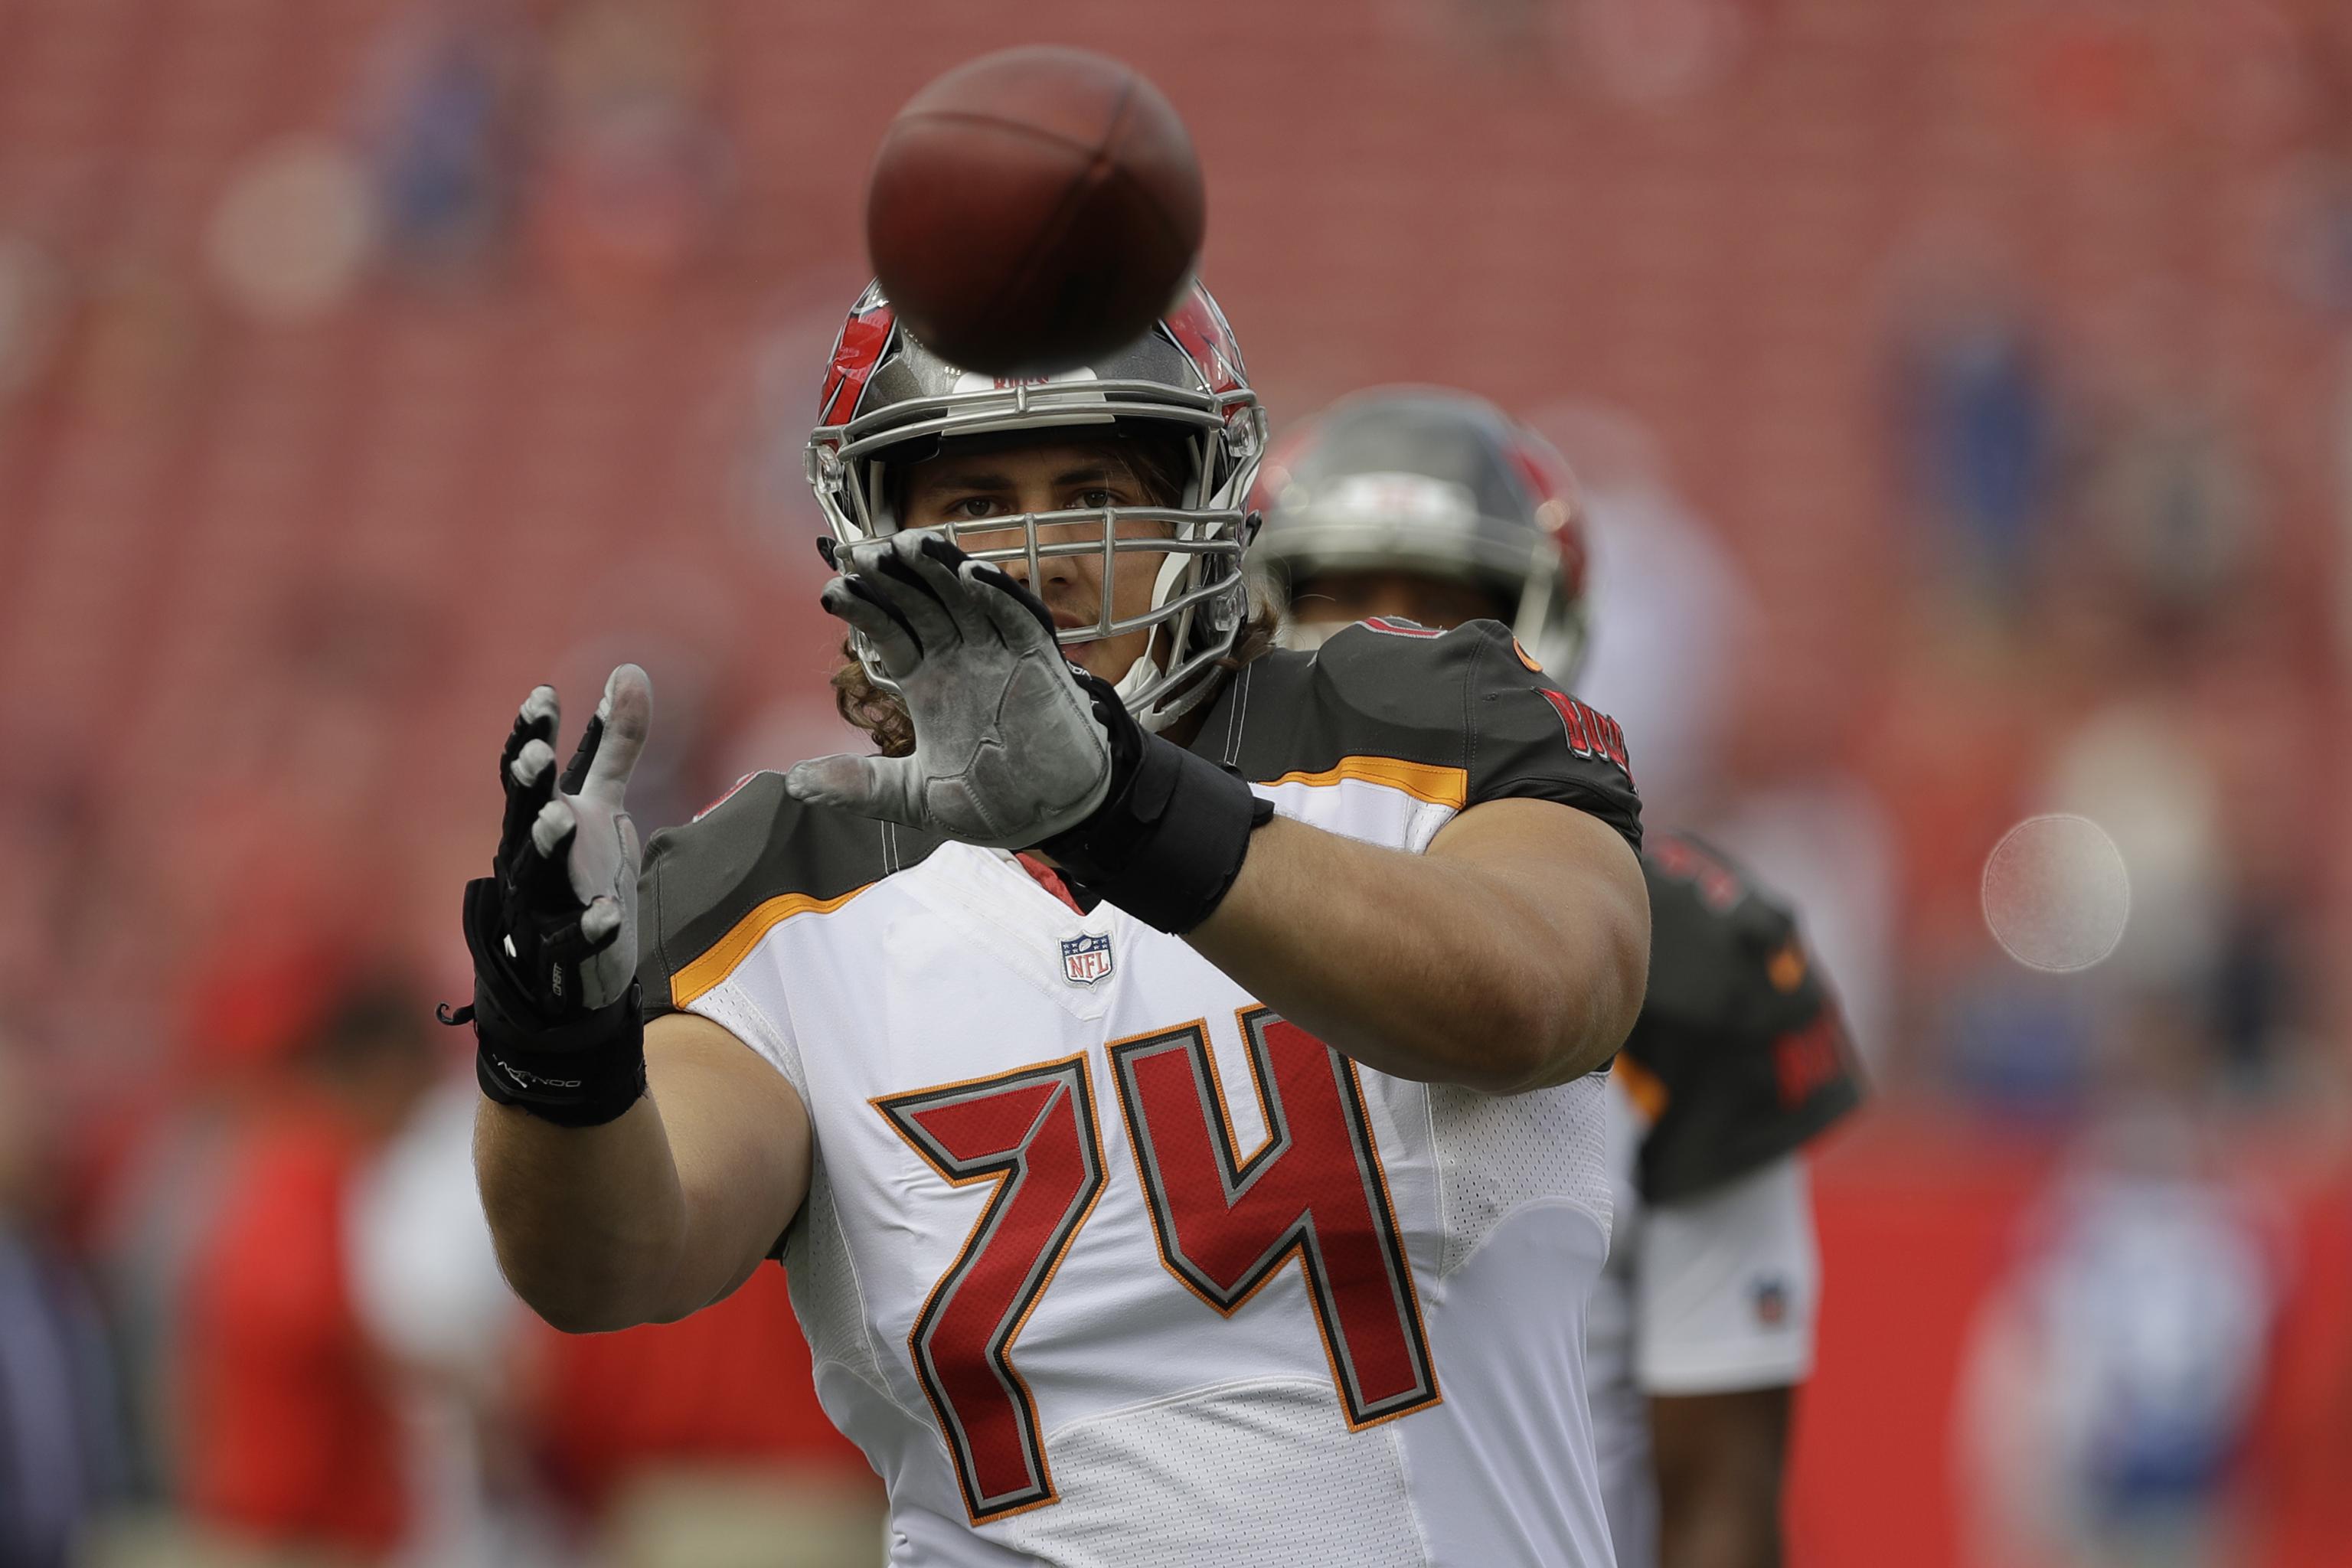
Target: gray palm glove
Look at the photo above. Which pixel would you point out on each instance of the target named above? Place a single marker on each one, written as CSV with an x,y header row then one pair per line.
x,y
1008,751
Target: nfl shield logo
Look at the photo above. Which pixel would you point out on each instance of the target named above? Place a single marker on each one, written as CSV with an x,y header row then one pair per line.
x,y
1086,958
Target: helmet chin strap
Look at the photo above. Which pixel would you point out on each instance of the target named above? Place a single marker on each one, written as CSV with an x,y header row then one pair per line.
x,y
1141,673
1147,669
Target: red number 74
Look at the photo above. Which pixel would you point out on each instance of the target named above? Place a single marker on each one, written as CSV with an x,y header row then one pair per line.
x,y
1227,1223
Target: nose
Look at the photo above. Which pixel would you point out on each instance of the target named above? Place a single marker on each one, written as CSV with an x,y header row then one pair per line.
x,y
1055,573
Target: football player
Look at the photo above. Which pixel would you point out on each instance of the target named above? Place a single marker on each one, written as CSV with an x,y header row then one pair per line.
x,y
1168,1068
1429,507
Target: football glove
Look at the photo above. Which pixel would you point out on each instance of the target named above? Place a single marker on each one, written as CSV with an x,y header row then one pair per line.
x,y
1007,752
1015,748
554,929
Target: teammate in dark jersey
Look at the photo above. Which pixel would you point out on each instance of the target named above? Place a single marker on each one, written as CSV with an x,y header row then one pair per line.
x,y
1015,1032
1432,507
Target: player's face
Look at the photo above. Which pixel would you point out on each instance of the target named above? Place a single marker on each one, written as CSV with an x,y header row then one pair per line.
x,y
1330,600
965,489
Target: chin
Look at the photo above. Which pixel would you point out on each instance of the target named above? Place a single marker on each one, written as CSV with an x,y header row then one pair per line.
x,y
1100,659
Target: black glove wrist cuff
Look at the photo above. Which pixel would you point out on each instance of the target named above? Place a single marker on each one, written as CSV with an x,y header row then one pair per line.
x,y
1167,847
582,1072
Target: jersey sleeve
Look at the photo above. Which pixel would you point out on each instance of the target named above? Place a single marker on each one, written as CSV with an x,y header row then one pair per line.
x,y
1728,1287
1739,1055
700,881
1467,706
701,896
1530,740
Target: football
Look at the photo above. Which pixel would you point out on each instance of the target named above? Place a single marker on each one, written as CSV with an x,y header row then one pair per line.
x,y
1033,209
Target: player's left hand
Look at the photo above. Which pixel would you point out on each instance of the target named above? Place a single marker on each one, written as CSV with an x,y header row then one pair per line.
x,y
1009,751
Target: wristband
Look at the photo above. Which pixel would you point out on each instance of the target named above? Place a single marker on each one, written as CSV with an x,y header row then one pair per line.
x,y
583,1072
1167,843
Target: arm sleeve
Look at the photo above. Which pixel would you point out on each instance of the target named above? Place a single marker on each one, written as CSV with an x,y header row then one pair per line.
x,y
1464,710
1529,740
698,898
1728,1287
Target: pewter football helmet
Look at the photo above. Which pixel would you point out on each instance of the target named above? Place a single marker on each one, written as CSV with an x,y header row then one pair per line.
x,y
1428,480
888,399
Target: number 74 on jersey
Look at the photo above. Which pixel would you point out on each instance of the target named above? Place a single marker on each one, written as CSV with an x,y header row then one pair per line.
x,y
1226,1222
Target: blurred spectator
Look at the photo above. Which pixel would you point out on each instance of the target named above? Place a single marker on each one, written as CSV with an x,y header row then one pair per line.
x,y
427,1288
447,129
2171,510
2113,1380
1982,420
248,1010
633,164
58,1456
290,1438
2019,1045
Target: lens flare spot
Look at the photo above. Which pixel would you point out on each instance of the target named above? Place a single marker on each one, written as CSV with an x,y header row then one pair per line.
x,y
2056,894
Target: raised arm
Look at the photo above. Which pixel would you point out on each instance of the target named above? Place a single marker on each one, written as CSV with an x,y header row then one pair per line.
x,y
662,1212
630,1172
1512,955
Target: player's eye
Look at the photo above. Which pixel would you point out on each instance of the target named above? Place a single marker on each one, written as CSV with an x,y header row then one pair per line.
x,y
1097,499
969,506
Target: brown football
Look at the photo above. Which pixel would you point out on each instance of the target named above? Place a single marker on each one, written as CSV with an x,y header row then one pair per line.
x,y
1033,209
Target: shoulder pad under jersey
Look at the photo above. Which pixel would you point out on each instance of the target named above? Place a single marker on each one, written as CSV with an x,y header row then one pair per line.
x,y
1739,1055
713,886
1461,716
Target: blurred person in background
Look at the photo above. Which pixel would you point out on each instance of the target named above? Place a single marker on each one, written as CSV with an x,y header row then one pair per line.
x,y
246,1008
289,1437
59,1457
2113,1378
1434,507
446,123
427,1293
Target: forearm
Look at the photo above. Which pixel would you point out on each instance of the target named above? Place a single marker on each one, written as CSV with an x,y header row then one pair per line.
x,y
1434,967
590,1222
663,1211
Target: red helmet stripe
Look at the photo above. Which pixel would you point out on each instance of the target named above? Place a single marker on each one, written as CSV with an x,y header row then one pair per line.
x,y
856,353
1199,330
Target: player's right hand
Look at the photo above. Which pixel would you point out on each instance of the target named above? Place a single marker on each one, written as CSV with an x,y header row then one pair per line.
x,y
1008,749
564,930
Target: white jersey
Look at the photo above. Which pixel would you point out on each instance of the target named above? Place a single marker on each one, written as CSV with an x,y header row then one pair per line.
x,y
1103,1262
1713,1281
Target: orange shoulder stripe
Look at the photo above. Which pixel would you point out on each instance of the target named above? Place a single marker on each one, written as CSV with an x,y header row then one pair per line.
x,y
720,960
1437,784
